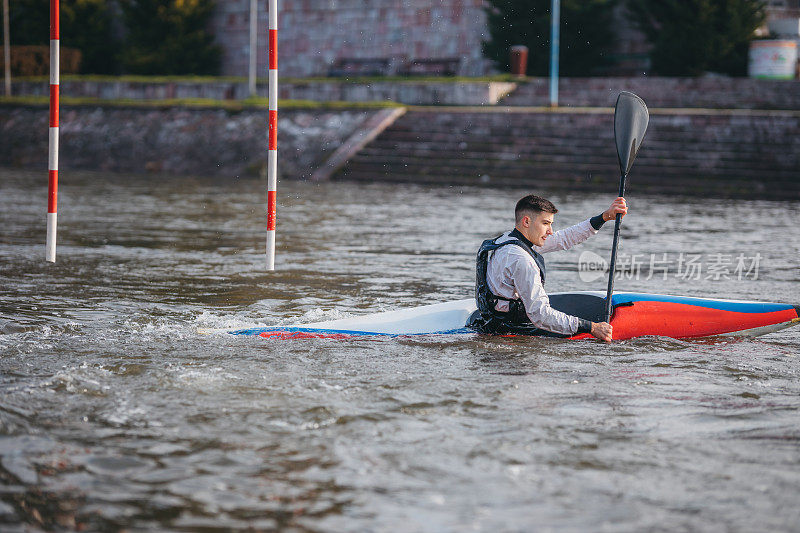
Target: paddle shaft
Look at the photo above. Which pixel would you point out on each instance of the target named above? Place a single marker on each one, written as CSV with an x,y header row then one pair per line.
x,y
613,265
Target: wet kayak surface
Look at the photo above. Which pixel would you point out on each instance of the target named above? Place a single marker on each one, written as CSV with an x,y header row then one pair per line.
x,y
116,414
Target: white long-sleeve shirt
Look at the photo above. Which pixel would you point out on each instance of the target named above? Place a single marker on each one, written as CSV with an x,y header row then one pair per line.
x,y
513,273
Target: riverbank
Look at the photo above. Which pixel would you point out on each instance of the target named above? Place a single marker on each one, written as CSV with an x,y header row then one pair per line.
x,y
724,153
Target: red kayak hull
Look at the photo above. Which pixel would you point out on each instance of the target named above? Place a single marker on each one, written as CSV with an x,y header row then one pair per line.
x,y
686,321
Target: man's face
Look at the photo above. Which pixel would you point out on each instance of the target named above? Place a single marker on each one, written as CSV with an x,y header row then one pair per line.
x,y
539,227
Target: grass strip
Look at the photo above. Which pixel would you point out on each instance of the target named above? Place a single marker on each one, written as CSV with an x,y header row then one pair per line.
x,y
230,105
243,80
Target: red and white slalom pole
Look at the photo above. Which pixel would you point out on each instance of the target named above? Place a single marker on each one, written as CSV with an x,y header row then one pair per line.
x,y
52,189
272,141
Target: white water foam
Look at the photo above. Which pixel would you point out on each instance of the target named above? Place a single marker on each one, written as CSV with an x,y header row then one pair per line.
x,y
208,321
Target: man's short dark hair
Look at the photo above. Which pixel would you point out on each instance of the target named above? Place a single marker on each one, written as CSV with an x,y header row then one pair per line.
x,y
533,204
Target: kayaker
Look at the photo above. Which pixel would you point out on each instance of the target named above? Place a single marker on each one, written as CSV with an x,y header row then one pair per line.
x,y
510,274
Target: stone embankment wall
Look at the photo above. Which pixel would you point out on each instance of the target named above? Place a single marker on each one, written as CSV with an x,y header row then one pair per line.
x,y
405,92
726,152
753,154
203,142
709,92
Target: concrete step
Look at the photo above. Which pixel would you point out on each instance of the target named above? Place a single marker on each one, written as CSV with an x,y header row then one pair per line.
x,y
528,139
595,137
652,151
548,182
586,161
575,172
544,125
662,92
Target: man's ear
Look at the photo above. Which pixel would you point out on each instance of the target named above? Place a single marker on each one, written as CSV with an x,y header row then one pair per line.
x,y
526,221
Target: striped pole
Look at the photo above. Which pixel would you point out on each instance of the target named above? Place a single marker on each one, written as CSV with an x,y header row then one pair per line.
x,y
272,142
52,192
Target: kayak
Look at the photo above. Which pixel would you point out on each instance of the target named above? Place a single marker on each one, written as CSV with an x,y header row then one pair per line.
x,y
634,315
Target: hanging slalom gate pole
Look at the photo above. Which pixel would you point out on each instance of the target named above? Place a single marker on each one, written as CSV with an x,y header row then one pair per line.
x,y
52,188
272,141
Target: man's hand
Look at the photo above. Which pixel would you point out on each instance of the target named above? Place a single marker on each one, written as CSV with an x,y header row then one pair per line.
x,y
602,330
619,206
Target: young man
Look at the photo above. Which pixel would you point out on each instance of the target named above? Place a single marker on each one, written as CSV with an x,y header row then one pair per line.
x,y
510,274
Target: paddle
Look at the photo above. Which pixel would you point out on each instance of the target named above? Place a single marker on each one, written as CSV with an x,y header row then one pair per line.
x,y
630,124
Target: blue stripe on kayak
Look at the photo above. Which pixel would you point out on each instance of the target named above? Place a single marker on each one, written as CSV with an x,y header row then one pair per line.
x,y
278,329
739,307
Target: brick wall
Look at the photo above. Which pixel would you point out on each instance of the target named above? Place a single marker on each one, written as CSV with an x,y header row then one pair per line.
x,y
313,33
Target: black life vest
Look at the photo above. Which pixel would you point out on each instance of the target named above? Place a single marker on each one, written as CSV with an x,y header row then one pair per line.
x,y
487,319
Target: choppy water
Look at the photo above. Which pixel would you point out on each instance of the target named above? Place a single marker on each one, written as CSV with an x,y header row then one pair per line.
x,y
116,414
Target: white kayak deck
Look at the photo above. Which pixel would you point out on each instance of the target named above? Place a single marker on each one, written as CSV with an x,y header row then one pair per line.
x,y
451,317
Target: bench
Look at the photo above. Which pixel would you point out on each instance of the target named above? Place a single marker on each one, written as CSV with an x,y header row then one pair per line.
x,y
443,66
361,66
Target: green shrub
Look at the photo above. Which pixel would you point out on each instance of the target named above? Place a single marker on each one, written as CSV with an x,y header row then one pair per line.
x,y
169,37
91,31
690,37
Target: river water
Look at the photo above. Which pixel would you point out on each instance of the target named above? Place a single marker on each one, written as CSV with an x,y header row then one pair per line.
x,y
116,414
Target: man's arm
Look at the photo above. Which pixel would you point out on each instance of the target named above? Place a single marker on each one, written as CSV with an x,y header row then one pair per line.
x,y
528,284
568,237
574,235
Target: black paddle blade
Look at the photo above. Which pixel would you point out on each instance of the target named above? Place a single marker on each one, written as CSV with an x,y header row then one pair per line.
x,y
630,123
